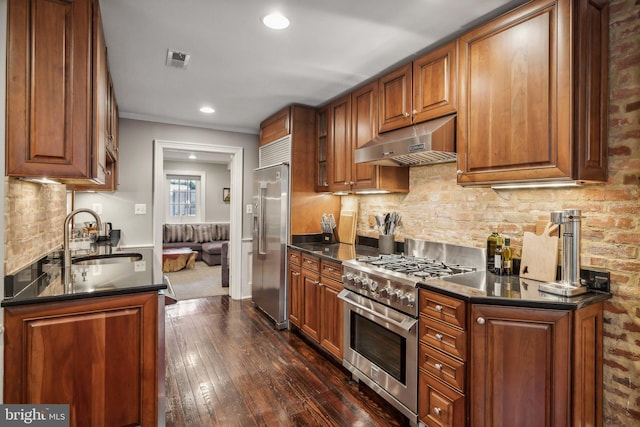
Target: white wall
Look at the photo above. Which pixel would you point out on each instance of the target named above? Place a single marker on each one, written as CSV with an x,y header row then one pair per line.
x,y
136,174
218,176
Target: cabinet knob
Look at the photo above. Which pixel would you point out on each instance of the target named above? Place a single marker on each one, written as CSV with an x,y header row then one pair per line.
x,y
459,172
437,411
295,273
438,366
315,282
439,337
414,112
438,308
405,114
480,320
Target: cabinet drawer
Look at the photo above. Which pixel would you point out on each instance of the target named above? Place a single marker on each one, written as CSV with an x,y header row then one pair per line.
x,y
294,256
441,366
452,341
439,405
332,270
443,308
310,262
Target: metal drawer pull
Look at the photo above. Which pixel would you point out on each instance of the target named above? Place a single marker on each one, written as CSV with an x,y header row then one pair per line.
x,y
438,366
439,337
439,308
437,410
480,320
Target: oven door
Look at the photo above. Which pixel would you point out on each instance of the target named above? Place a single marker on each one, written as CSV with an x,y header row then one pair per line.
x,y
380,349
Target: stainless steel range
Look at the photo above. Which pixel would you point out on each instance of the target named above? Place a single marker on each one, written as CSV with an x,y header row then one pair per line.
x,y
381,315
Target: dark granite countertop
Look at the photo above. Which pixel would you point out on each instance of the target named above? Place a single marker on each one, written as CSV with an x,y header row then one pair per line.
x,y
482,287
336,251
42,281
478,288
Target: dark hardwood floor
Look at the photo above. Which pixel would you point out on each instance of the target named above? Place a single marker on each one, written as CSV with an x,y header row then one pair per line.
x,y
227,366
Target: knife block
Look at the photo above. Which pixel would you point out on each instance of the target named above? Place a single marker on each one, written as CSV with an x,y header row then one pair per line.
x,y
327,238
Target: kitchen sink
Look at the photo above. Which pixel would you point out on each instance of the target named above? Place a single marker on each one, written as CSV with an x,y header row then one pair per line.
x,y
107,259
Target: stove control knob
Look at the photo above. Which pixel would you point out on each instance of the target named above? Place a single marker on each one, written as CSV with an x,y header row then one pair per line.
x,y
396,295
407,299
347,278
365,283
373,285
356,281
385,292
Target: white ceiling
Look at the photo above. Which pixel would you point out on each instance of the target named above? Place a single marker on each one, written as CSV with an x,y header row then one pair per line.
x,y
247,71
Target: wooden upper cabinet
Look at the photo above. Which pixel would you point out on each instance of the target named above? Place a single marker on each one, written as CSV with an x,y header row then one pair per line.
x,y
533,94
50,90
322,150
339,147
434,83
421,90
395,99
275,126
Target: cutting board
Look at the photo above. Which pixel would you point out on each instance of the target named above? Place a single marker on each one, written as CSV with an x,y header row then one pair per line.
x,y
540,254
347,226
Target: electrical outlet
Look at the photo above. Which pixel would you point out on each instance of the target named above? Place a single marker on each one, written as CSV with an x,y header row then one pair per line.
x,y
97,208
140,209
249,208
140,266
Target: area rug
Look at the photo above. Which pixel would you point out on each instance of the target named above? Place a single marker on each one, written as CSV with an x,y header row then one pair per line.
x,y
201,281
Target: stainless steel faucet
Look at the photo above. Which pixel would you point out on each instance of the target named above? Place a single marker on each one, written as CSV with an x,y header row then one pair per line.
x,y
67,249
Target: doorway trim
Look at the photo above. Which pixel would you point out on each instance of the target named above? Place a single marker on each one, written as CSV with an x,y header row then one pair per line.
x,y
235,225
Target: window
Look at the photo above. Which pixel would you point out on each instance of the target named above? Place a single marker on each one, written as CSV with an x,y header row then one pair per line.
x,y
185,193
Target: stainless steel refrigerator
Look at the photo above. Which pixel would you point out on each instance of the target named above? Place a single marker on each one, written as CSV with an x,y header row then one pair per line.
x,y
270,239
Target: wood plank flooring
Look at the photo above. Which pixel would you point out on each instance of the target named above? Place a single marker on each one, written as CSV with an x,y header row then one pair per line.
x,y
227,366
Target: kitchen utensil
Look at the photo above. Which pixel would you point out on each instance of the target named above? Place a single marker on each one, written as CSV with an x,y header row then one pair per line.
x,y
540,255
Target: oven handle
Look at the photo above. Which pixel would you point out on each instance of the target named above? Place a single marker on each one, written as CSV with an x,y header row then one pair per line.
x,y
405,326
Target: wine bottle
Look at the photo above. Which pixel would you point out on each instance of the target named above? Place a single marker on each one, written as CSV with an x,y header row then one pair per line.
x,y
507,256
491,251
497,262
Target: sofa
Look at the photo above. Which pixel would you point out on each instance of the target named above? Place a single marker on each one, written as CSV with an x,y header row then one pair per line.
x,y
210,242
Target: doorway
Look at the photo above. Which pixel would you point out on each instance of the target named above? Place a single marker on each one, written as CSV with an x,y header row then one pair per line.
x,y
235,154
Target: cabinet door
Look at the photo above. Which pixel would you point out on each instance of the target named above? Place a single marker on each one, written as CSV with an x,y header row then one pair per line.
x,y
322,150
364,127
100,98
434,83
98,356
514,120
331,309
296,295
519,366
49,88
276,126
395,109
311,312
339,166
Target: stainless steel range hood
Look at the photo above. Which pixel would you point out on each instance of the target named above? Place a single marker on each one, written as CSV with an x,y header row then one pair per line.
x,y
425,143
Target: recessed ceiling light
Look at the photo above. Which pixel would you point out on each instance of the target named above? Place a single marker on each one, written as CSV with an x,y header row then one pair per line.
x,y
192,156
207,110
276,21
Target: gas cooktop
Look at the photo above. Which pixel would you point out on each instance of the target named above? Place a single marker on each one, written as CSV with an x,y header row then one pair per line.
x,y
415,266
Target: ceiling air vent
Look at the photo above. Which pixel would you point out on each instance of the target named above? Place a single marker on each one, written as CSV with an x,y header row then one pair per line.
x,y
177,59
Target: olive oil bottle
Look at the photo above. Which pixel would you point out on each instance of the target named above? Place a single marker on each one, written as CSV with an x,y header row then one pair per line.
x,y
497,258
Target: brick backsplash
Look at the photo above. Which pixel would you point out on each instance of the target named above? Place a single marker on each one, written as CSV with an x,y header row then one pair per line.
x,y
436,208
34,217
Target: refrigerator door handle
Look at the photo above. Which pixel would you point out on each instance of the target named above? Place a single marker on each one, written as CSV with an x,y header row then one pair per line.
x,y
262,249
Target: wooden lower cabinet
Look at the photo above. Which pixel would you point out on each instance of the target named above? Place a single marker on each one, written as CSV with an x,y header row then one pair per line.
x,y
314,307
311,309
488,365
295,302
331,309
98,355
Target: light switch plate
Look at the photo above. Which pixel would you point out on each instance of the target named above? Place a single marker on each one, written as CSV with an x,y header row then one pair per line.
x,y
249,208
97,208
140,209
